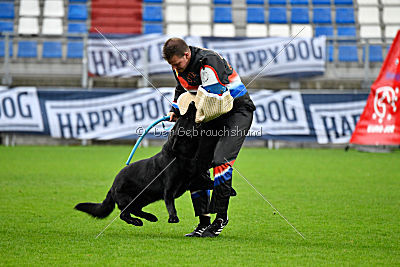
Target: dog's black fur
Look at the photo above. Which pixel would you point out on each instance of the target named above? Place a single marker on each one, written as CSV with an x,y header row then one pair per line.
x,y
171,183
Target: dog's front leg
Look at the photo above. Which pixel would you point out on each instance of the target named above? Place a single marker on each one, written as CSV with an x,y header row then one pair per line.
x,y
170,203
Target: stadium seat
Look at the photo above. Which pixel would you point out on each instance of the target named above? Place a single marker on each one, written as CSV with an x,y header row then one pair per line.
x,y
175,2
75,50
77,27
390,2
279,30
3,48
224,30
322,15
391,31
255,2
6,26
6,10
375,53
27,49
323,30
200,30
177,29
205,12
203,2
175,13
52,50
344,2
78,1
53,8
277,15
370,31
29,8
346,31
153,28
367,2
256,30
222,2
223,15
300,15
330,52
391,15
77,12
368,15
345,15
28,26
255,15
348,53
153,1
152,13
321,2
52,26
277,2
298,2
301,30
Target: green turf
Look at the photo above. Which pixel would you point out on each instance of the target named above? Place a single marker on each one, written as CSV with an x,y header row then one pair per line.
x,y
347,205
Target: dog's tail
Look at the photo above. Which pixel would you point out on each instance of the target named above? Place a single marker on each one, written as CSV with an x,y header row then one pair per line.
x,y
98,210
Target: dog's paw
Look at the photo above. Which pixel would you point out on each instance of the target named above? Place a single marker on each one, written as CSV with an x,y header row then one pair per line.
x,y
152,218
135,221
173,219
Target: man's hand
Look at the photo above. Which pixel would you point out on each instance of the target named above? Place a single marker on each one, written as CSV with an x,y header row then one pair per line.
x,y
172,116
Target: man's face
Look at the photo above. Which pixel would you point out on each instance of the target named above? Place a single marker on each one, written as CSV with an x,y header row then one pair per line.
x,y
180,63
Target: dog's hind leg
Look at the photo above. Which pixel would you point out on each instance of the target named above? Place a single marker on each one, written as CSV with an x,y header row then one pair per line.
x,y
170,203
123,200
145,215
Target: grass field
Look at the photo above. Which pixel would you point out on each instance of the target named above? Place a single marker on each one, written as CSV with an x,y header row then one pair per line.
x,y
347,205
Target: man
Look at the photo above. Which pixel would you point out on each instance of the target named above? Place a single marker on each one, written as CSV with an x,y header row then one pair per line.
x,y
200,70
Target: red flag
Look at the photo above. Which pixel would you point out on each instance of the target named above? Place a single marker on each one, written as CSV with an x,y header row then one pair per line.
x,y
379,123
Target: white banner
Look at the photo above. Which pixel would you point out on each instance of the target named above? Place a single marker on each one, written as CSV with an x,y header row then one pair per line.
x,y
20,110
279,113
108,117
273,56
125,57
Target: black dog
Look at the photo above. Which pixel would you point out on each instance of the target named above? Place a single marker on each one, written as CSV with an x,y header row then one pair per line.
x,y
173,180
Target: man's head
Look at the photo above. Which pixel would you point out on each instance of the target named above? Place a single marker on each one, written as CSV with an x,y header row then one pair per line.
x,y
177,53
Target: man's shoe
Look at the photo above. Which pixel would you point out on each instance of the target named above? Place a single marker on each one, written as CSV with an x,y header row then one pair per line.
x,y
198,231
214,229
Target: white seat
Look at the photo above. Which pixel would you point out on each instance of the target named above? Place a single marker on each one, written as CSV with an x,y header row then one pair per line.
x,y
175,1
203,2
391,15
53,8
29,8
390,2
367,2
28,25
52,26
391,31
368,15
224,30
200,14
301,30
177,29
175,13
279,30
371,32
200,30
256,30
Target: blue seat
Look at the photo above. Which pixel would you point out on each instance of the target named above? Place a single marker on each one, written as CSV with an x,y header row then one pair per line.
x,y
6,10
322,15
300,15
323,30
153,1
153,28
330,53
52,50
344,2
346,31
298,2
6,26
3,48
345,15
223,15
321,2
375,53
78,1
75,50
277,2
27,49
77,27
223,2
348,53
255,2
277,15
152,13
255,15
77,12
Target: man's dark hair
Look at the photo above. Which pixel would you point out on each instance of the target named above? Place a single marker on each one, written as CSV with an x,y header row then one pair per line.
x,y
174,47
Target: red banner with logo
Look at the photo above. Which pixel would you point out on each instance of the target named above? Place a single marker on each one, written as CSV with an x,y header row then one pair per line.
x,y
379,123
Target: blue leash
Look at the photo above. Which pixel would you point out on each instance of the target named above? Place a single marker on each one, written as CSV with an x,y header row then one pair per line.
x,y
166,118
